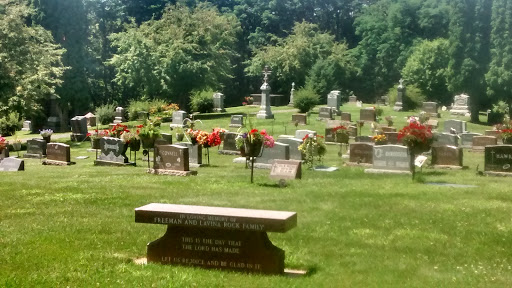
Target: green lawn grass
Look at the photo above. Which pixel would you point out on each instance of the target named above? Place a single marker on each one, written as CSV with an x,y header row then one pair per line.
x,y
74,226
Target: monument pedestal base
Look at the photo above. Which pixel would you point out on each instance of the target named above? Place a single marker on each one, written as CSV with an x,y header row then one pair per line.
x,y
244,251
398,107
57,163
33,156
171,172
110,163
382,171
264,115
451,167
502,174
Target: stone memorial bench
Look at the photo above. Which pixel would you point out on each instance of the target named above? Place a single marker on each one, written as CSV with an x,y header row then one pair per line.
x,y
217,237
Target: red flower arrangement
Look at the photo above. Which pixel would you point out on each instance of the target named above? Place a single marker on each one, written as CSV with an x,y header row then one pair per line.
x,y
416,137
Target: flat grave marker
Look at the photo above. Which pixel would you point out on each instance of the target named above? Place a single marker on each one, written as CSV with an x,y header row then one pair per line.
x,y
286,169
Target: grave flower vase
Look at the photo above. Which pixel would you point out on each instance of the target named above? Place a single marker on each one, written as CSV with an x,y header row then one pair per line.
x,y
135,145
95,143
147,142
47,138
253,150
180,136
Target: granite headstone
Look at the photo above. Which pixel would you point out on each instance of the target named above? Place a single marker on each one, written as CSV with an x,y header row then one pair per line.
x,y
447,156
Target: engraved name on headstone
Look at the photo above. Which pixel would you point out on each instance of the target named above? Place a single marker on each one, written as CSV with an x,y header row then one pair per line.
x,y
391,157
498,158
171,157
286,169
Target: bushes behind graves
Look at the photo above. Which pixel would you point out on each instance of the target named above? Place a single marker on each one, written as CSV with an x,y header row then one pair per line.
x,y
9,124
153,107
414,97
202,101
305,99
106,113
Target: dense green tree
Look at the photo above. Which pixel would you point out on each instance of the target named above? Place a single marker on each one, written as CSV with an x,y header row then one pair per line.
x,y
67,20
187,49
30,64
469,51
426,69
499,76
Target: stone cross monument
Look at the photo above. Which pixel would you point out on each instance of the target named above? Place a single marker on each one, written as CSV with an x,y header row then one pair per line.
x,y
265,112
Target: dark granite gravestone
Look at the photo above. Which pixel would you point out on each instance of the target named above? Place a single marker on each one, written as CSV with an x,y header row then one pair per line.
x,y
286,169
391,158
364,139
479,142
4,153
237,121
330,136
388,129
178,117
352,131
12,165
367,114
217,237
218,103
171,160
36,148
325,113
301,119
346,116
268,155
165,139
466,139
442,139
361,153
334,101
458,126
498,159
58,154
430,108
78,128
448,156
229,144
294,143
392,138
113,152
300,134
195,153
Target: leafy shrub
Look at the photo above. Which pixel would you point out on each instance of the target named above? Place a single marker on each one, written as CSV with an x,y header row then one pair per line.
x,y
106,113
322,77
9,124
305,99
153,107
414,97
202,101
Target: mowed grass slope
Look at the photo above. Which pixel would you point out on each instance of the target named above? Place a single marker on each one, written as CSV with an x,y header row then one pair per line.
x,y
74,226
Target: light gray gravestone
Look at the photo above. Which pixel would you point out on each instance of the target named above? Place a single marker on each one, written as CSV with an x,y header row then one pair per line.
x,y
195,153
430,108
265,111
300,134
91,119
218,103
294,143
352,99
466,139
447,156
237,121
27,126
291,94
455,126
286,169
325,113
460,105
390,158
177,118
442,139
334,101
268,155
119,118
12,165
